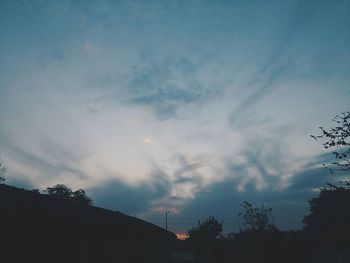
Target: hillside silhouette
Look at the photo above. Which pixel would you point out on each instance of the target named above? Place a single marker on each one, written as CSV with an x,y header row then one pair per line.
x,y
45,228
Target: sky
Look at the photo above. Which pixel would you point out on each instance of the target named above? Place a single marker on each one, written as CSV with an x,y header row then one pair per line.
x,y
187,106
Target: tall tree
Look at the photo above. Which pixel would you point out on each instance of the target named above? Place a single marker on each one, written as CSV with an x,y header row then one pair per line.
x,y
330,216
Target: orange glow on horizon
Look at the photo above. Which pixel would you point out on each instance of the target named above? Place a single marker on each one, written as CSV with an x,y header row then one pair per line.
x,y
182,236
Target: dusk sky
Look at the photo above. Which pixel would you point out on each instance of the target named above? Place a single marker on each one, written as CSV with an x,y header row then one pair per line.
x,y
191,106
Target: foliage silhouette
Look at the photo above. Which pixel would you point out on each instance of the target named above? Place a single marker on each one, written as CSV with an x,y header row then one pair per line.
x,y
256,219
338,138
203,238
328,221
62,191
210,229
330,215
81,197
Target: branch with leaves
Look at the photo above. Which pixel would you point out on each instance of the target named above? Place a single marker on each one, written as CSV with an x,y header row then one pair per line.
x,y
338,138
256,219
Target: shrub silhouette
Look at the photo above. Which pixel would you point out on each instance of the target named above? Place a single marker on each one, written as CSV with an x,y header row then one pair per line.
x,y
210,229
204,237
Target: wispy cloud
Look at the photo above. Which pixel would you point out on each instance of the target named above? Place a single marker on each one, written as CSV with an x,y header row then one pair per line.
x,y
161,84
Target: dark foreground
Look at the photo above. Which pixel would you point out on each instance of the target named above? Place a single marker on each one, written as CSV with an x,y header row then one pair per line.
x,y
42,228
45,228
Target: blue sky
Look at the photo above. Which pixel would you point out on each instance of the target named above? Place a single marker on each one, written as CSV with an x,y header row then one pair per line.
x,y
187,106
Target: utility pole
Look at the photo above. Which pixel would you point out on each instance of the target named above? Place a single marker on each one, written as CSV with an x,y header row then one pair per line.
x,y
166,219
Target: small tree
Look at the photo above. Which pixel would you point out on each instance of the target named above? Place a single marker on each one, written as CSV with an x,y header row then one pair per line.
x,y
210,229
338,138
62,191
204,236
256,219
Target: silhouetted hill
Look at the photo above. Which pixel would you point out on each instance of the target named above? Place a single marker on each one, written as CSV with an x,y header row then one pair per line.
x,y
43,228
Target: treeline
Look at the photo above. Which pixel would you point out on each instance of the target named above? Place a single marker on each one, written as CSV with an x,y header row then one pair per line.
x,y
59,191
325,237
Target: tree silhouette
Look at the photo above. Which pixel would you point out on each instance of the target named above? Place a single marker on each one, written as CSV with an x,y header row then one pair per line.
x,y
338,138
203,238
330,215
210,229
62,191
81,197
256,219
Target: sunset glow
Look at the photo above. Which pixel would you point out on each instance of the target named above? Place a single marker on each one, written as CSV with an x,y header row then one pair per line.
x,y
182,236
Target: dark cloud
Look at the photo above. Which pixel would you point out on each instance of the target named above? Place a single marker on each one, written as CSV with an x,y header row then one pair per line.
x,y
116,195
220,199
161,84
164,85
290,203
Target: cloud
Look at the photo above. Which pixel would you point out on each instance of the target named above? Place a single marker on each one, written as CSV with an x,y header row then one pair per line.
x,y
28,167
183,105
161,84
282,63
116,195
289,204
